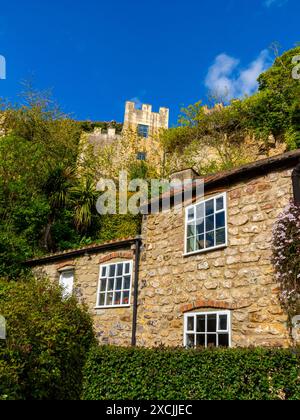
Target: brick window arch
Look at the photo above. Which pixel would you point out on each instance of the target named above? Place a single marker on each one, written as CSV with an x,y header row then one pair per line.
x,y
127,255
210,304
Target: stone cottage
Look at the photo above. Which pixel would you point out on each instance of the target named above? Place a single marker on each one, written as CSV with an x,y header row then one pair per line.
x,y
198,277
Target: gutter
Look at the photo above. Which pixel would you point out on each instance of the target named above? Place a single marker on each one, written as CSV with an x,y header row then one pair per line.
x,y
78,252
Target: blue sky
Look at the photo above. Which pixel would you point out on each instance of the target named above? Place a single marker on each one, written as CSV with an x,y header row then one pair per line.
x,y
95,55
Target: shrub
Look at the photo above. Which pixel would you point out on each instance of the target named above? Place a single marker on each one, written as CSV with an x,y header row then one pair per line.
x,y
47,340
179,374
286,257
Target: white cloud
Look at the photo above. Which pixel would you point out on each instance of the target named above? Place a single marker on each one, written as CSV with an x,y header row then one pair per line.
x,y
278,3
226,78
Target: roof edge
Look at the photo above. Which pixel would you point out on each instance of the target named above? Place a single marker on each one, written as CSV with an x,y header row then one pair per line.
x,y
92,249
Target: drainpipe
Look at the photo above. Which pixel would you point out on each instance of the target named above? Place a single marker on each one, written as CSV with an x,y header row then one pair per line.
x,y
137,249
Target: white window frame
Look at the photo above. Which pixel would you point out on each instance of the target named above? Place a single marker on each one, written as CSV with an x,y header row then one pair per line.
x,y
130,262
61,273
218,313
201,251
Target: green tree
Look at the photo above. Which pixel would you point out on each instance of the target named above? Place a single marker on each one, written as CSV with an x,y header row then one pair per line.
x,y
84,197
48,338
56,189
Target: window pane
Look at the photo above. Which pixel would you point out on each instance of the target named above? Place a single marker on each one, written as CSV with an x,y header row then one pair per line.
x,y
191,244
191,230
220,220
209,207
66,281
119,269
211,340
115,287
191,214
220,237
126,282
212,323
223,340
119,283
210,223
201,323
191,323
220,203
210,240
109,300
204,218
111,284
223,323
117,300
200,242
125,300
112,270
143,130
103,285
190,340
141,156
102,299
103,272
200,211
200,340
67,275
200,227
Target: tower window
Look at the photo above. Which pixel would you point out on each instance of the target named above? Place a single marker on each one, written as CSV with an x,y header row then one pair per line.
x,y
143,130
141,156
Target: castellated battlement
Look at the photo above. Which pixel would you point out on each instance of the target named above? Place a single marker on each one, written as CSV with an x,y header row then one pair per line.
x,y
144,116
100,138
106,134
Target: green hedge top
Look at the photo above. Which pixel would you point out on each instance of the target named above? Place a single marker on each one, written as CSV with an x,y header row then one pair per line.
x,y
176,374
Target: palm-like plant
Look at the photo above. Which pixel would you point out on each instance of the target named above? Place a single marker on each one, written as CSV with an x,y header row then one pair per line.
x,y
84,197
58,185
56,189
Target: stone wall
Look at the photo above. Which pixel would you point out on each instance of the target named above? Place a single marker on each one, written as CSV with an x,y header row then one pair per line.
x,y
239,277
113,326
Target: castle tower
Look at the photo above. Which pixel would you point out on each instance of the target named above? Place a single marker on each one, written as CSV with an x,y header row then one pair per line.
x,y
146,122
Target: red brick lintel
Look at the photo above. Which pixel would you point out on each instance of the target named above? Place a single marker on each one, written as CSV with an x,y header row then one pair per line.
x,y
128,255
200,304
61,266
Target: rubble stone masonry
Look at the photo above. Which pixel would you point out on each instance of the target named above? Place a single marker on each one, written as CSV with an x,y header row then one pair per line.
x,y
239,277
114,325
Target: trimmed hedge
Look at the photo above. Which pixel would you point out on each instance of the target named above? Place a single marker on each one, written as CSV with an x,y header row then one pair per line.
x,y
113,373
